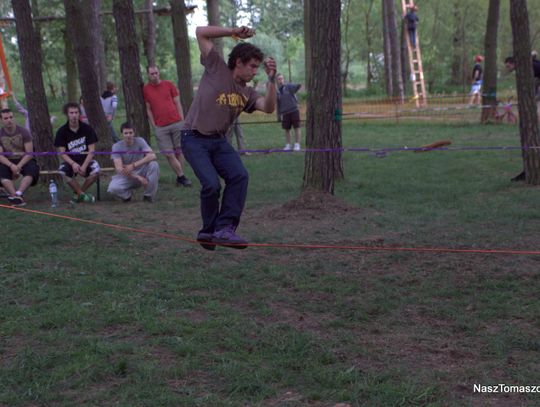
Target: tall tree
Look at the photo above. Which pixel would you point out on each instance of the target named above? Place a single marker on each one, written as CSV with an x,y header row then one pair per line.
x,y
78,17
368,35
389,84
323,124
99,46
457,43
395,50
34,89
71,68
132,82
528,116
182,53
346,44
148,30
212,10
489,94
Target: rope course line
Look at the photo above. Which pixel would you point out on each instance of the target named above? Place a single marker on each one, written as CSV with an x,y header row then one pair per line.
x,y
306,150
286,245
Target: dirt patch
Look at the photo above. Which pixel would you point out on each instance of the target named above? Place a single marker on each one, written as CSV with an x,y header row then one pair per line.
x,y
313,204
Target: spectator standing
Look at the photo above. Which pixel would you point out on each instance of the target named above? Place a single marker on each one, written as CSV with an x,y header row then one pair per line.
x,y
166,116
288,111
477,76
109,102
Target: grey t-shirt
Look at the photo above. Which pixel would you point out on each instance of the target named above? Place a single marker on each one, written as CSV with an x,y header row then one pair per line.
x,y
286,98
133,153
219,100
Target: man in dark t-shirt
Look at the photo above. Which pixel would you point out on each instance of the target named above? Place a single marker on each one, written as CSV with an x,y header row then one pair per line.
x,y
76,142
221,97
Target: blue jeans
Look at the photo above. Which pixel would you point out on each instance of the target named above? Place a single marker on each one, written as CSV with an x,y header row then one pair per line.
x,y
211,158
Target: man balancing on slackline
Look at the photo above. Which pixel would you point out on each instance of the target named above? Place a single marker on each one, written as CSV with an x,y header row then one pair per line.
x,y
222,95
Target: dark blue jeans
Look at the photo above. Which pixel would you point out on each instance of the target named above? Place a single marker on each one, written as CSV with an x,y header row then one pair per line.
x,y
212,158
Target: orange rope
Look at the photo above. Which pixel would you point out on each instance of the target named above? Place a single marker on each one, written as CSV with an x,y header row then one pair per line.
x,y
4,69
287,245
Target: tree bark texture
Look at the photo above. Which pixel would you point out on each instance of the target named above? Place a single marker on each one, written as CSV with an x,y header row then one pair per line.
x,y
71,69
182,54
307,44
395,50
148,25
528,116
323,124
212,9
97,37
489,92
387,51
457,45
34,89
132,82
78,17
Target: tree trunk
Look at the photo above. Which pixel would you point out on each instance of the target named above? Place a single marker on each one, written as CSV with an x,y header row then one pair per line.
x,y
307,44
34,89
149,33
132,82
489,94
323,124
97,38
369,43
387,50
397,80
78,17
346,45
181,53
528,117
457,43
71,69
212,9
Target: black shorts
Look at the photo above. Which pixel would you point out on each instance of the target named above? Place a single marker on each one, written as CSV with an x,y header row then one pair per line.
x,y
92,169
30,169
289,120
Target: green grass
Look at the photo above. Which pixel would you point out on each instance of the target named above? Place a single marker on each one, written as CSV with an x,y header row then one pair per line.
x,y
95,316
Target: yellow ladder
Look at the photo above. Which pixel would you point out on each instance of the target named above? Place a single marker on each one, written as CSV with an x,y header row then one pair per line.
x,y
415,63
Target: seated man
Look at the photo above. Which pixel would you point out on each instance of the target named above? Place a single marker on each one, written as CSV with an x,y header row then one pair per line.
x,y
135,165
16,140
76,141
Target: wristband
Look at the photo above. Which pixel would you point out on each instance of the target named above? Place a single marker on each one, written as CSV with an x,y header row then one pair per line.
x,y
272,79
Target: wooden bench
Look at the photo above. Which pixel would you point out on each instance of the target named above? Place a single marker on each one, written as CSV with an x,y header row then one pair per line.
x,y
98,183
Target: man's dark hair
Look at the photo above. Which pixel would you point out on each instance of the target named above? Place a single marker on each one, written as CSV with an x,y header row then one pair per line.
x,y
245,51
510,60
125,125
6,110
70,105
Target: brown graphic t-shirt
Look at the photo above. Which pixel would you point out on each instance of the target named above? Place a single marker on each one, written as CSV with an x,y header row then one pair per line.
x,y
219,100
14,143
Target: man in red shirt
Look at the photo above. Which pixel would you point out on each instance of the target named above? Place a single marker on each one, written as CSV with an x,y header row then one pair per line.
x,y
166,116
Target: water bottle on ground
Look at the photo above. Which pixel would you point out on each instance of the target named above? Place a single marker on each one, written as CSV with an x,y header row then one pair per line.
x,y
53,190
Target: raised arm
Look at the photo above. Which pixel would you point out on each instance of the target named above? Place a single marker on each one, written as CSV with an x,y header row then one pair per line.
x,y
205,35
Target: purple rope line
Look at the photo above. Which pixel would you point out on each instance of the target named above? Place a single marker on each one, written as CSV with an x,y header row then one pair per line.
x,y
306,150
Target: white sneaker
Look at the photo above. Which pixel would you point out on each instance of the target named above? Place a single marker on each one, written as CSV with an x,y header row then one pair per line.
x,y
296,146
287,147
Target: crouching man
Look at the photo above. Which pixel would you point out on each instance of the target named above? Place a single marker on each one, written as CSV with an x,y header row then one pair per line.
x,y
135,165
